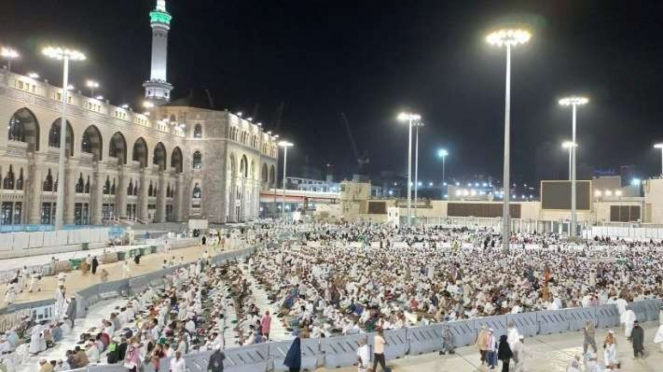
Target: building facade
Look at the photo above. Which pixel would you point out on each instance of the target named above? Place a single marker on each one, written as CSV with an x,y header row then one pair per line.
x,y
171,163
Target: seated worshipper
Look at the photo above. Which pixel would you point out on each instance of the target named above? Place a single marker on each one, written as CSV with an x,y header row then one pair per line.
x,y
92,352
80,358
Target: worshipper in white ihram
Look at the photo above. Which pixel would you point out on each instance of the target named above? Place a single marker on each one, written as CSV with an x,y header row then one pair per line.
x,y
519,354
126,270
59,303
37,340
513,336
363,356
658,338
627,319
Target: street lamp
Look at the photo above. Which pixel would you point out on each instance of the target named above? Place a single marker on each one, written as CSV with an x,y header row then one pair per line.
x,y
416,165
33,75
65,55
660,147
569,145
410,118
9,54
574,102
507,38
92,85
148,105
442,153
285,145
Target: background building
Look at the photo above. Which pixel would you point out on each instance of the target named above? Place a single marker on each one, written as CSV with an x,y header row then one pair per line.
x,y
171,163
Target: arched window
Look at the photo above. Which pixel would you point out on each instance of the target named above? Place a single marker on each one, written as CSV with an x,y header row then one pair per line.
x,y
168,191
91,142
87,185
48,182
150,189
80,185
112,190
197,193
118,148
23,127
176,160
140,152
159,157
54,137
130,188
8,182
107,186
136,189
19,181
265,173
244,167
198,131
197,160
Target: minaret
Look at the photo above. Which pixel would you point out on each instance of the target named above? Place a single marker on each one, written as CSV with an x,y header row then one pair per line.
x,y
157,89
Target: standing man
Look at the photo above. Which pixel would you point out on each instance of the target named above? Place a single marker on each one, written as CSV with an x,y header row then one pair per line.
x,y
216,360
266,324
178,364
363,356
95,264
638,339
126,270
378,350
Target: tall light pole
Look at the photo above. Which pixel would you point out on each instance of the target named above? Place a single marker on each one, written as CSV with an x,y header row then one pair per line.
x,y
285,145
574,102
568,145
9,54
64,55
410,118
660,147
442,153
92,85
507,38
416,166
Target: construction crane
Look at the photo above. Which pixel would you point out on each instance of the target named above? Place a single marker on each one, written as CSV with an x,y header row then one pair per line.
x,y
362,160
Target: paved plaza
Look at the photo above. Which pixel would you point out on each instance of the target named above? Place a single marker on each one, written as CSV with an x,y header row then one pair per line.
x,y
550,353
77,281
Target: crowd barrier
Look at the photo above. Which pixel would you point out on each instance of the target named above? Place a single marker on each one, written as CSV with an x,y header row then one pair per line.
x,y
340,352
16,243
635,233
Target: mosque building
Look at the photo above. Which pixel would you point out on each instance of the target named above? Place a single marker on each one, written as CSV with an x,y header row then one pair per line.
x,y
171,163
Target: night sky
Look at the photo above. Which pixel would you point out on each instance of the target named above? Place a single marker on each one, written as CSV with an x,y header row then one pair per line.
x,y
371,59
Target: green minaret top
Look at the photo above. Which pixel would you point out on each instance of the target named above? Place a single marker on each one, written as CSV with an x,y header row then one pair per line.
x,y
160,14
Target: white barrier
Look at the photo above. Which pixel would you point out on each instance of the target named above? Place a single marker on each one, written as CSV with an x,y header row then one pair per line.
x,y
634,233
22,243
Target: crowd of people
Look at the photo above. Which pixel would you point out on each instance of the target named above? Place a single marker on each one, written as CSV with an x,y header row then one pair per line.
x,y
328,280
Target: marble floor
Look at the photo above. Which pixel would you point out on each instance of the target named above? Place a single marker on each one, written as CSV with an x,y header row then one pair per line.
x,y
551,353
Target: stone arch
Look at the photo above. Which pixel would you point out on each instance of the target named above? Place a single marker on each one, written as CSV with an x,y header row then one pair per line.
x,y
118,148
54,137
272,175
244,167
140,152
177,160
92,142
160,156
265,174
24,127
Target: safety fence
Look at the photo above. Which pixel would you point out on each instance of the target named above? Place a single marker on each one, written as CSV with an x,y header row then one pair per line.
x,y
11,315
626,232
339,352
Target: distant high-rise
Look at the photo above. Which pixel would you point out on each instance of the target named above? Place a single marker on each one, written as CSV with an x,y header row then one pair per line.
x,y
158,89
